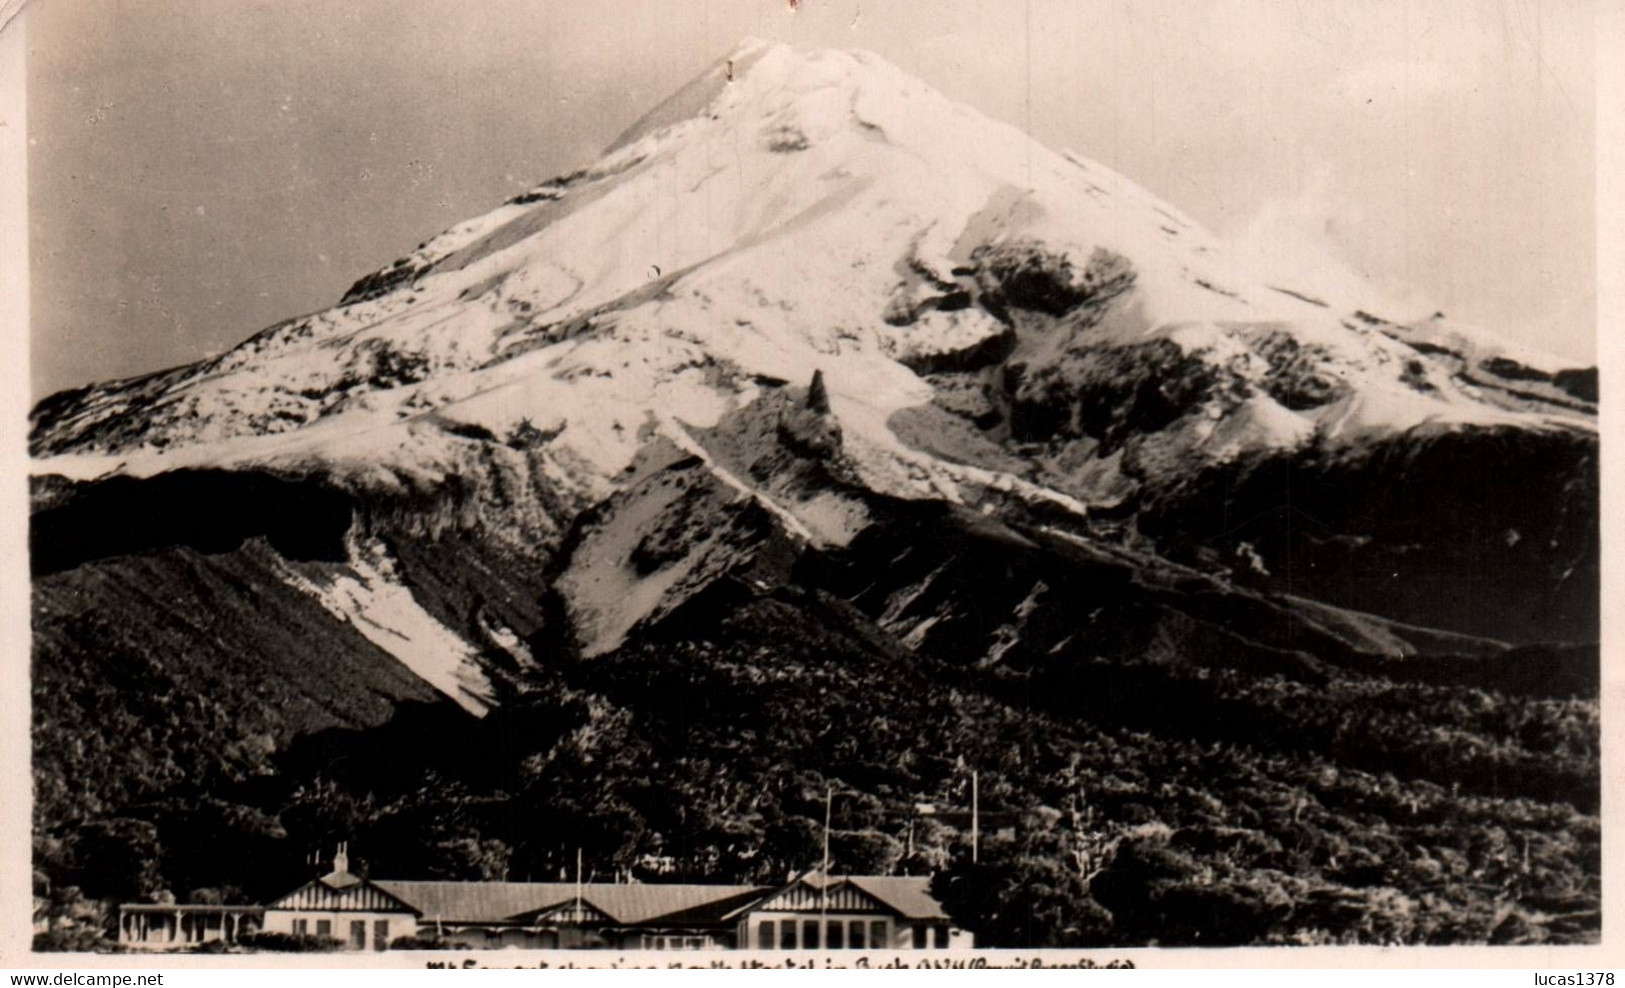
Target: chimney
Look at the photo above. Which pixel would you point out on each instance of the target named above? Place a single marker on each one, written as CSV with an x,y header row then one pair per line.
x,y
341,859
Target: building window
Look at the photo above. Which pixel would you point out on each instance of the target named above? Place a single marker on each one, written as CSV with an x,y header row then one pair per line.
x,y
787,935
358,934
837,935
940,937
764,935
380,934
877,935
324,927
809,934
919,938
857,934
301,927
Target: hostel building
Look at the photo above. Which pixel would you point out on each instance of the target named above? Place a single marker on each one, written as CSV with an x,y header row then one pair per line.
x,y
810,913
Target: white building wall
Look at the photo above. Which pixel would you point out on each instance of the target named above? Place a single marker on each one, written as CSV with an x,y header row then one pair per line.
x,y
750,929
898,934
184,926
288,921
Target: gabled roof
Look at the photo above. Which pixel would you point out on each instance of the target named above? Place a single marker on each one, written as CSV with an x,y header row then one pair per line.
x,y
909,896
569,911
336,879
478,902
351,895
626,905
683,905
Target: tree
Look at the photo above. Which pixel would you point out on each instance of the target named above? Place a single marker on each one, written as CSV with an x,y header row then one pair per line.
x,y
321,813
1022,901
790,844
469,859
864,852
211,844
115,859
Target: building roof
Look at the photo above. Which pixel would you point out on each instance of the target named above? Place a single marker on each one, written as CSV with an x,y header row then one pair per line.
x,y
907,895
624,905
513,902
340,880
187,907
353,894
910,895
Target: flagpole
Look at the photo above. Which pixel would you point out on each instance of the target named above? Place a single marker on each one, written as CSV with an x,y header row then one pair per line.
x,y
823,890
975,819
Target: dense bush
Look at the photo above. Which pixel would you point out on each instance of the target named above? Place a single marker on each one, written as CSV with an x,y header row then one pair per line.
x,y
74,939
291,943
1155,800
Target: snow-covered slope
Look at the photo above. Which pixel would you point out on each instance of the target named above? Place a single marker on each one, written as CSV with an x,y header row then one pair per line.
x,y
784,212
996,325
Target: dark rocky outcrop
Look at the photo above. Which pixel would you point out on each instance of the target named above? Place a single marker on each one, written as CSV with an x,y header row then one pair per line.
x,y
1109,394
1029,276
211,511
381,282
1581,383
1432,529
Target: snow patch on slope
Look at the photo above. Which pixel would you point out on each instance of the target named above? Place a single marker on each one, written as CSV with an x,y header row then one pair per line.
x,y
368,595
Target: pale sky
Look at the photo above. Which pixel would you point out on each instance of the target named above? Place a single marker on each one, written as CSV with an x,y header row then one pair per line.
x,y
202,168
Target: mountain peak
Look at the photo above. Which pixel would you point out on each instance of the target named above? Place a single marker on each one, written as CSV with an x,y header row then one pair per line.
x,y
967,295
763,76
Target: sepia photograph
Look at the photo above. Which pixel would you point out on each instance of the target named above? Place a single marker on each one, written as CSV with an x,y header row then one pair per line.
x,y
809,478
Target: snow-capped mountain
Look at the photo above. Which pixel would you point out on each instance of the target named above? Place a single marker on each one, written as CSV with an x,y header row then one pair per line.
x,y
611,377
785,212
824,435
